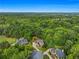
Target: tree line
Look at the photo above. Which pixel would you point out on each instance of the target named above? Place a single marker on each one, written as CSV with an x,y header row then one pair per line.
x,y
58,31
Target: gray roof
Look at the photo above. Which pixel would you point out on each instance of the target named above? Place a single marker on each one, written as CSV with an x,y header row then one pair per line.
x,y
36,55
22,41
60,53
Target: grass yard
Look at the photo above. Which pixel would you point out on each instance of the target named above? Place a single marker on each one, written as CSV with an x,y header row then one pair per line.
x,y
10,40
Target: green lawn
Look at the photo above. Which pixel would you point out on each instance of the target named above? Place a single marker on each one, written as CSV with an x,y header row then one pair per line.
x,y
10,40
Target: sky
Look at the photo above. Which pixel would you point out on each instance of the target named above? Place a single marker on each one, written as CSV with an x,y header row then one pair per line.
x,y
39,5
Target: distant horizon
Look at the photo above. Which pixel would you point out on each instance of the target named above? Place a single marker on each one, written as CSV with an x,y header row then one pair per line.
x,y
36,12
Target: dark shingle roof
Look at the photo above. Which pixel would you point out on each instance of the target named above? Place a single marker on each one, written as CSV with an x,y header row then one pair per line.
x,y
60,53
22,41
36,55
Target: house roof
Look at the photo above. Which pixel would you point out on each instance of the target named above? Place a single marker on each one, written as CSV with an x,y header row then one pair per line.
x,y
60,53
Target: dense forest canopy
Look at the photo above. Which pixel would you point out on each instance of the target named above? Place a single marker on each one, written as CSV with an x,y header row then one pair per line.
x,y
58,30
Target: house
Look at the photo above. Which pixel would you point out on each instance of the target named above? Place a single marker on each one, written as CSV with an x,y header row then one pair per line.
x,y
39,42
36,55
22,41
60,53
53,53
